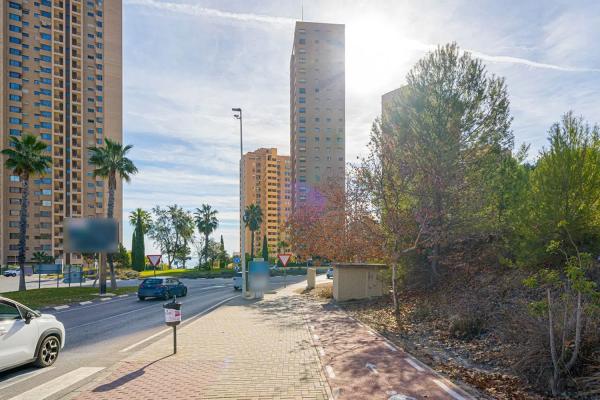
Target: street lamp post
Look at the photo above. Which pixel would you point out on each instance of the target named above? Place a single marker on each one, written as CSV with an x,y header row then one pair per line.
x,y
238,115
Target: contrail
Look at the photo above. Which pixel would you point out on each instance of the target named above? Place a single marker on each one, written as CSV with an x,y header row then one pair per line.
x,y
192,9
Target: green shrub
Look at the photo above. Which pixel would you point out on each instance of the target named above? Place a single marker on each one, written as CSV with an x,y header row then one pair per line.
x,y
465,327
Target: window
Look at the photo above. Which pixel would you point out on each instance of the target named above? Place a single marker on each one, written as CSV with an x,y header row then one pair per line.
x,y
9,311
14,178
301,90
14,86
301,100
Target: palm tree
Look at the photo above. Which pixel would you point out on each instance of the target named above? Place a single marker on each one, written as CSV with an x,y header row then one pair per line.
x,y
207,222
110,161
25,157
252,220
140,219
42,257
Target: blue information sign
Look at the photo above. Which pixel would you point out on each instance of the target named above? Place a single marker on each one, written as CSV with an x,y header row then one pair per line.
x,y
47,269
236,260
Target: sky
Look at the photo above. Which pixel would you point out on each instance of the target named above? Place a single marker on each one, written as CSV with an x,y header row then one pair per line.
x,y
188,62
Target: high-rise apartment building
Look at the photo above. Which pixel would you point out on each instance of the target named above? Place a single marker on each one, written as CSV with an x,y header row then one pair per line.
x,y
267,183
317,109
61,64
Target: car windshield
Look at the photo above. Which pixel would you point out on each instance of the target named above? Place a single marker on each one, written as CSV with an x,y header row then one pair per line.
x,y
238,275
152,281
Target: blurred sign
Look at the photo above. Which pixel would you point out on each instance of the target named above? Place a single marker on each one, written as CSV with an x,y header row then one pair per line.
x,y
172,313
47,268
236,260
154,259
91,235
284,258
259,275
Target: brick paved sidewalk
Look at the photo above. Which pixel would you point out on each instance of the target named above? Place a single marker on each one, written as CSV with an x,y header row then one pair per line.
x,y
242,350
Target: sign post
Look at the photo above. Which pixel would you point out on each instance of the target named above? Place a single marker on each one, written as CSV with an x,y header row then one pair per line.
x,y
284,258
154,260
173,318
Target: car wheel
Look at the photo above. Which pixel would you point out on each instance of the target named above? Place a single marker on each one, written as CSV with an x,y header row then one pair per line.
x,y
142,298
48,352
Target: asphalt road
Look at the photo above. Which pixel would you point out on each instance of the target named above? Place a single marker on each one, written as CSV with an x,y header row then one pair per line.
x,y
100,334
10,284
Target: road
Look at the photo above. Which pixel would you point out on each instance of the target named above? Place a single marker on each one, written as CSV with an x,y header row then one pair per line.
x,y
100,334
10,284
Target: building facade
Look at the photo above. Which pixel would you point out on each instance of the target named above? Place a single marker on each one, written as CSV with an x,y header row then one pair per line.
x,y
267,183
317,109
61,64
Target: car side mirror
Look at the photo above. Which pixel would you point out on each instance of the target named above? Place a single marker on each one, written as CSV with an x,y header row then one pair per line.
x,y
28,317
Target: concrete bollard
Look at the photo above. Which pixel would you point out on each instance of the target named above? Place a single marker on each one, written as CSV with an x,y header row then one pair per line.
x,y
311,276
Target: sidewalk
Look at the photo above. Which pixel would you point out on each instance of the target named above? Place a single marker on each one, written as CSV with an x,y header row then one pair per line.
x,y
243,350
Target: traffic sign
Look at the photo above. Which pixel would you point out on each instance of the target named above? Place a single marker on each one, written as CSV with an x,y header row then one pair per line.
x,y
154,259
236,260
284,258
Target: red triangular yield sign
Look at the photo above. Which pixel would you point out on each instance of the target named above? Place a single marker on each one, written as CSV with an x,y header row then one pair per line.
x,y
154,259
284,258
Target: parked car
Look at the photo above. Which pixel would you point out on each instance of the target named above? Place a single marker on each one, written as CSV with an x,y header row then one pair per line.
x,y
12,272
161,287
330,273
26,336
237,281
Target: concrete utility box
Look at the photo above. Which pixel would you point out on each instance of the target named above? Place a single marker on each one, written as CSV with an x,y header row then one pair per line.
x,y
311,277
357,281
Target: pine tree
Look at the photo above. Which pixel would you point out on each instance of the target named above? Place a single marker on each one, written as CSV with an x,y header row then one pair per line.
x,y
265,249
134,262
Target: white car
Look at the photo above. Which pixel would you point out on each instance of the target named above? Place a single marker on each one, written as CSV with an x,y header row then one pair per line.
x,y
237,281
12,272
26,336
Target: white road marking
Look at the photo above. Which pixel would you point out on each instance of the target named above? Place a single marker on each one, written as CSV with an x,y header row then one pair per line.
x,y
61,307
85,303
414,364
22,377
448,390
321,351
372,367
389,346
56,385
330,372
105,298
183,323
123,295
81,308
117,315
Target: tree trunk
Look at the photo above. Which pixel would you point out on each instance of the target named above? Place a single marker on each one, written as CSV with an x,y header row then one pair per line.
x,y
206,249
23,230
251,245
395,291
112,183
554,384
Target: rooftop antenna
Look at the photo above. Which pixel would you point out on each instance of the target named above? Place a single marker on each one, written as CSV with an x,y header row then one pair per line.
x,y
302,10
